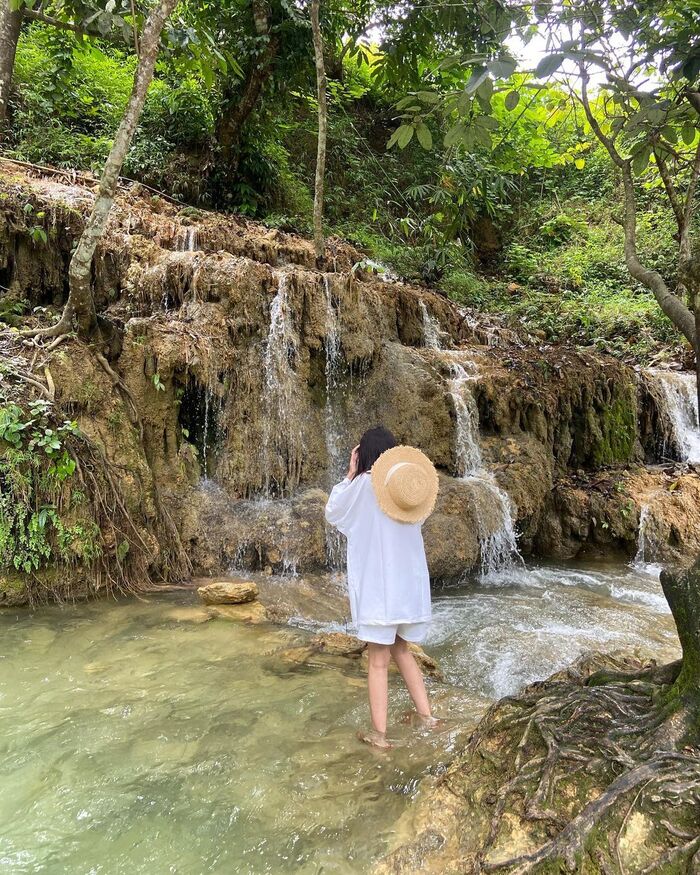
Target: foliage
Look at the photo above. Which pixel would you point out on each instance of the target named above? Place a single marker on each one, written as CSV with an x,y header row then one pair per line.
x,y
40,519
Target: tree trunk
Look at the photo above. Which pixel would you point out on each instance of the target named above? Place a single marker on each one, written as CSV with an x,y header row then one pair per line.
x,y
682,591
10,25
681,315
236,113
81,304
322,128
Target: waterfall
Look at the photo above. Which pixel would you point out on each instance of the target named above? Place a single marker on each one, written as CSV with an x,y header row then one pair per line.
x,y
497,537
680,396
282,434
335,554
188,241
467,449
641,557
498,543
647,542
431,328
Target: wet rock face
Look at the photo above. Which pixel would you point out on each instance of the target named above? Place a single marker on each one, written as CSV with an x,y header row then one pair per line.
x,y
252,375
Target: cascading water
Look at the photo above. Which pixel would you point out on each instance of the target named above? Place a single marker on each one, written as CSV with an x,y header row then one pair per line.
x,y
188,241
497,537
680,395
431,328
335,554
282,436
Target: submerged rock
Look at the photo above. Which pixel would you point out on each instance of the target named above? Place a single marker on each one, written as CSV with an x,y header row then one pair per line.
x,y
228,592
339,644
251,612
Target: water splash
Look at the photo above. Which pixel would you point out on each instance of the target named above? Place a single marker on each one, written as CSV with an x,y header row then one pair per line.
x,y
282,434
431,328
679,392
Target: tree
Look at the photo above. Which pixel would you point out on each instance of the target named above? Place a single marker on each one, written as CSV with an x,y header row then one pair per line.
x,y
645,114
80,306
110,21
322,128
10,25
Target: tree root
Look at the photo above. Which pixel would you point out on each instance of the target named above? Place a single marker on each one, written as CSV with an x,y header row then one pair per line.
x,y
609,731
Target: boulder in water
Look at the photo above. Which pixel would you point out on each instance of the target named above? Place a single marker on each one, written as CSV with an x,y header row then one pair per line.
x,y
228,592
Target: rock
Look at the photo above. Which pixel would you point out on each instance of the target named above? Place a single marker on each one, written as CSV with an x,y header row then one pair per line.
x,y
338,644
252,613
228,592
335,644
192,614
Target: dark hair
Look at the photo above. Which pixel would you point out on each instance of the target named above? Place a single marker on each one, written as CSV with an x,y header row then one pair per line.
x,y
372,444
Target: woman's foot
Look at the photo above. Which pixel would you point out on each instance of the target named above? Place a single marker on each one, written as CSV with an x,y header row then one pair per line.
x,y
374,739
421,721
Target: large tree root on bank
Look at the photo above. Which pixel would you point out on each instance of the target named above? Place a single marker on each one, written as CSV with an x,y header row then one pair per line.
x,y
612,732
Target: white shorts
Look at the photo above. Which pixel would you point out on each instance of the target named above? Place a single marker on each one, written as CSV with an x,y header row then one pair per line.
x,y
414,632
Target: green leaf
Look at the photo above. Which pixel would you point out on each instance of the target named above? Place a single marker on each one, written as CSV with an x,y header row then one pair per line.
x,y
405,136
428,96
485,90
481,135
670,133
477,77
640,160
691,68
548,65
425,138
512,100
688,133
454,135
502,68
394,138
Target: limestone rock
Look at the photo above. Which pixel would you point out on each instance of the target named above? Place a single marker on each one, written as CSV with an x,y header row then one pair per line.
x,y
251,612
228,592
338,644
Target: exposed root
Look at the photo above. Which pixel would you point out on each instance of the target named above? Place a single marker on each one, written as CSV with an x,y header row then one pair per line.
x,y
609,732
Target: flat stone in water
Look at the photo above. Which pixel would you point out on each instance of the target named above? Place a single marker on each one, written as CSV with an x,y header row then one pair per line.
x,y
228,592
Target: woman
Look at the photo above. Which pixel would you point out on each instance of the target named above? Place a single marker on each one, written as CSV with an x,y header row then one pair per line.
x,y
379,507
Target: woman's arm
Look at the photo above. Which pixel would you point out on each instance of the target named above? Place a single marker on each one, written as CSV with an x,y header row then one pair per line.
x,y
343,499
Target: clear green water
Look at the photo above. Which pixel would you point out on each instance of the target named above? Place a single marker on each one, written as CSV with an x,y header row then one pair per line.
x,y
135,738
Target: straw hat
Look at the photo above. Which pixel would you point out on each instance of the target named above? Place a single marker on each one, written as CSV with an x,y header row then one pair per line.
x,y
406,484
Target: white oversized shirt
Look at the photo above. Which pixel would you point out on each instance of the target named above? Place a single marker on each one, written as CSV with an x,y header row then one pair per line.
x,y
388,580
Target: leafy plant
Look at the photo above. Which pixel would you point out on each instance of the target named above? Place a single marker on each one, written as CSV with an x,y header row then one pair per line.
x,y
39,523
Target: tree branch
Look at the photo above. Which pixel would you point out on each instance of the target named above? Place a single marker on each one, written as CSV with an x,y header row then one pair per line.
x,y
671,190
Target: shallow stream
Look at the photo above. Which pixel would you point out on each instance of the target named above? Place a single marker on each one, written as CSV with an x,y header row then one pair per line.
x,y
141,737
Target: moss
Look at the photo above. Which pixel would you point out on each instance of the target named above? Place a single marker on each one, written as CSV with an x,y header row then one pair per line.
x,y
616,432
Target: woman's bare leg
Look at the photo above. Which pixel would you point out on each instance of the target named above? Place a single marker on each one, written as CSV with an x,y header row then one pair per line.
x,y
378,684
412,676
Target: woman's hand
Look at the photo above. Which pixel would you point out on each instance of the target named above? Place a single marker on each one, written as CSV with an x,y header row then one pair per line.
x,y
354,461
